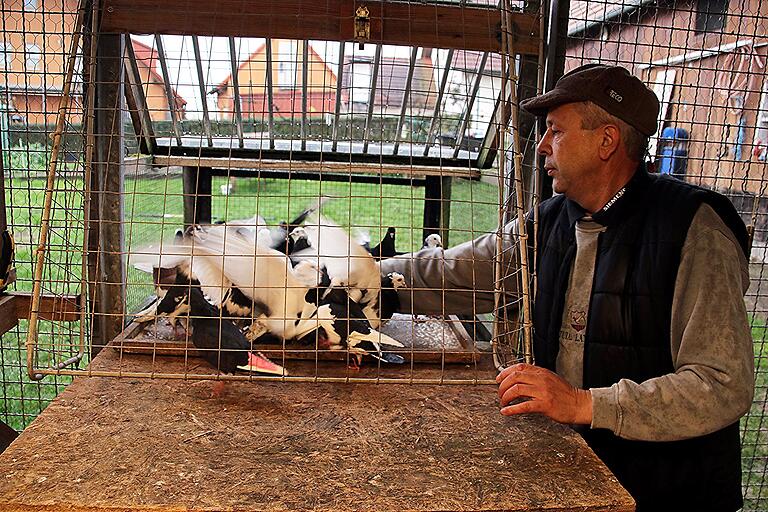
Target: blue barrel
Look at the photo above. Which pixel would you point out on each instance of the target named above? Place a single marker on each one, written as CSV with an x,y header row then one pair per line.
x,y
673,158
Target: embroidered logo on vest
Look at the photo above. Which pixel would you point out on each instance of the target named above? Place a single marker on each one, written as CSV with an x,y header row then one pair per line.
x,y
615,198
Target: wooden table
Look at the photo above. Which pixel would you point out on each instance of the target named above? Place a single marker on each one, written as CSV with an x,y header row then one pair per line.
x,y
139,444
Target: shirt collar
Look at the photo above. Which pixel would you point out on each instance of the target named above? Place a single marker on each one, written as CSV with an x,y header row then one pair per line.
x,y
617,208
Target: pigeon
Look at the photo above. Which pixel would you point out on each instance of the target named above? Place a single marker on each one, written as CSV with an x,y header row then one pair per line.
x,y
222,344
347,264
390,302
386,248
221,257
282,238
432,241
265,276
290,233
350,329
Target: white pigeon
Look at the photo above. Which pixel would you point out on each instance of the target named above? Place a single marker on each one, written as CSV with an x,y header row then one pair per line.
x,y
433,241
263,275
346,262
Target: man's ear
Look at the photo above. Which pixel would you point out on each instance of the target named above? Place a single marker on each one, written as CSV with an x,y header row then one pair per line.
x,y
609,141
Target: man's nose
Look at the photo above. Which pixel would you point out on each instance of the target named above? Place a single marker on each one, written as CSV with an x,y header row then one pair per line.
x,y
543,147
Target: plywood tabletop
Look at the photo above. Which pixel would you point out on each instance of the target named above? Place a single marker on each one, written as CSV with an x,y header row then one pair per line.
x,y
109,444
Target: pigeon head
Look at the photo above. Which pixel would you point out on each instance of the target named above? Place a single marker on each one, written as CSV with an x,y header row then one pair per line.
x,y
433,240
174,297
396,279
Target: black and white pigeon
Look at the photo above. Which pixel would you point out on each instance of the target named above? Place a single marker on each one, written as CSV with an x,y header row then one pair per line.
x,y
390,302
351,330
433,241
265,276
386,248
221,342
225,258
281,237
347,264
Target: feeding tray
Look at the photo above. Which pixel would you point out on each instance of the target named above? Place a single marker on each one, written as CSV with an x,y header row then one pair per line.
x,y
426,339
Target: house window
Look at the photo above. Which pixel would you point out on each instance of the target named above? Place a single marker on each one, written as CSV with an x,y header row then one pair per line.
x,y
33,57
6,56
287,64
361,82
710,15
30,5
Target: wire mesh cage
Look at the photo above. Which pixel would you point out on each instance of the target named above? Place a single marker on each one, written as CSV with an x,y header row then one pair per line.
x,y
412,125
36,52
242,199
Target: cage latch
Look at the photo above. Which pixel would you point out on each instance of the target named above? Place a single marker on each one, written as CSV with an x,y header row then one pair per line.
x,y
362,26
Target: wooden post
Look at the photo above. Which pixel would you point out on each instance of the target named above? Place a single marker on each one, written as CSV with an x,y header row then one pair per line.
x,y
197,195
557,35
437,206
106,269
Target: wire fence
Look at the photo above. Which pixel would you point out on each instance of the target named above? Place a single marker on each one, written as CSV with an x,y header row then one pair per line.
x,y
706,61
219,129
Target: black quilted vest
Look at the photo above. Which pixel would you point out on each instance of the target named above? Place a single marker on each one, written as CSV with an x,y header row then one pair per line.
x,y
628,331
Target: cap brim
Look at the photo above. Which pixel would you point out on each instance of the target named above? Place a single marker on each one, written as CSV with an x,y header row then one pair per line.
x,y
540,105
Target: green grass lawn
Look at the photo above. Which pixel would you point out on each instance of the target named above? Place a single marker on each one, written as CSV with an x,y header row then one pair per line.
x,y
754,453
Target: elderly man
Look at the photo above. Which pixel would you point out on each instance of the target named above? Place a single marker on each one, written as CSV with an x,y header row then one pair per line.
x,y
641,337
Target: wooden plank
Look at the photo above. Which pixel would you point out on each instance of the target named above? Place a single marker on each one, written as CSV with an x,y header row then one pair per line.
x,y
58,308
439,25
107,444
417,171
9,317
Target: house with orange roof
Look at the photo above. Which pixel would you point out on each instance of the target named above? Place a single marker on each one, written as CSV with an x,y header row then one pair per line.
x,y
32,60
33,63
154,85
287,61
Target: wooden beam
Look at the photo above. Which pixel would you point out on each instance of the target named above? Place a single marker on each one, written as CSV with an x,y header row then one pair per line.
x,y
196,183
9,317
105,245
400,23
15,306
437,207
57,308
319,167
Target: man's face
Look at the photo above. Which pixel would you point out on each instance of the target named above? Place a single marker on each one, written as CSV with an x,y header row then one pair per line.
x,y
570,153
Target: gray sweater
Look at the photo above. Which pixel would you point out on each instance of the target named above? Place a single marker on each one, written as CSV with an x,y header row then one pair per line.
x,y
711,343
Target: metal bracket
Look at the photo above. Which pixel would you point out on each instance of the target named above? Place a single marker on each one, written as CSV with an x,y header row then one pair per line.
x,y
362,26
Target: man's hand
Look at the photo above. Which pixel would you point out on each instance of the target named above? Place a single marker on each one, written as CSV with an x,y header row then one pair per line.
x,y
547,394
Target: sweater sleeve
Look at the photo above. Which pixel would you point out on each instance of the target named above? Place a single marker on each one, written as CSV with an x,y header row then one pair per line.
x,y
711,343
459,280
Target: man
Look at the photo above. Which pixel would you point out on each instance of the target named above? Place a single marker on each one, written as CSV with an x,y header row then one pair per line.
x,y
640,337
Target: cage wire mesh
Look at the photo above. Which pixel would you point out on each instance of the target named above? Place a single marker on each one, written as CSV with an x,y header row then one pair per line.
x,y
35,50
235,136
218,129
